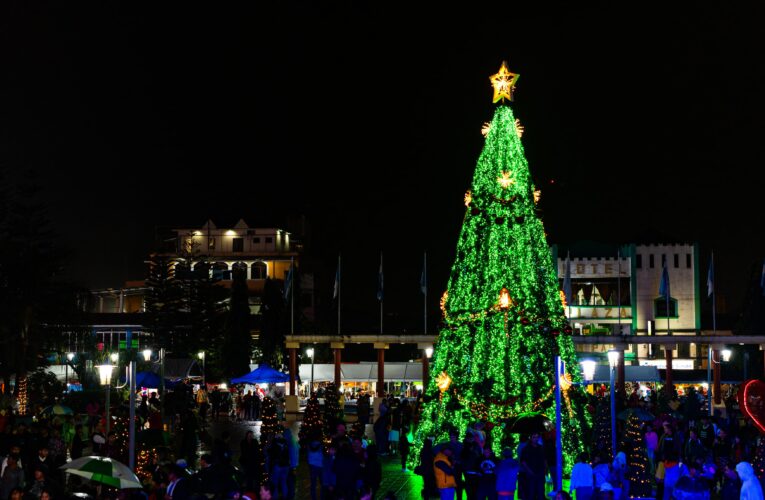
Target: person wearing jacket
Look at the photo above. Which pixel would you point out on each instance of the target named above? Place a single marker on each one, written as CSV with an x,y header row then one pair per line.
x,y
444,472
507,475
750,485
581,478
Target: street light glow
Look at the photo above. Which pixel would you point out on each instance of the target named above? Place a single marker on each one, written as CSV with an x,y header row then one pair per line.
x,y
588,369
105,374
726,354
201,355
613,358
115,356
146,354
428,352
70,356
309,352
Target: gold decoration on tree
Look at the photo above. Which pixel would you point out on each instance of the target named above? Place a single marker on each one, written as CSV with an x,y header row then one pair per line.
x,y
485,129
537,195
519,129
443,381
504,83
442,303
468,198
506,180
505,302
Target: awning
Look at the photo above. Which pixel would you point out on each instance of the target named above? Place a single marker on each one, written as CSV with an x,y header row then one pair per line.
x,y
362,372
631,374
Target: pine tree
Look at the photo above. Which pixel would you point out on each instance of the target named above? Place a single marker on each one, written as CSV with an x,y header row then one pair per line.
x,y
332,413
236,350
638,468
312,427
601,436
270,423
503,318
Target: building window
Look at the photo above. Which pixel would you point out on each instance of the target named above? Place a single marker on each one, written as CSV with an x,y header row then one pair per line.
x,y
639,261
677,261
650,261
237,245
259,271
269,239
256,241
660,308
688,260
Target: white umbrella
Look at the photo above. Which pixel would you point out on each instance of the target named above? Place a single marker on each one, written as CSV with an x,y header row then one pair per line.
x,y
103,470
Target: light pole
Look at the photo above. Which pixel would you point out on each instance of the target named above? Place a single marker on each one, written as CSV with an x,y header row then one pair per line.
x,y
105,377
201,355
613,361
310,352
69,357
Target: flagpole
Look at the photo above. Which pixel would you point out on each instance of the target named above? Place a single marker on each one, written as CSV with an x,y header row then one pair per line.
x,y
714,332
619,287
425,291
382,293
339,291
292,296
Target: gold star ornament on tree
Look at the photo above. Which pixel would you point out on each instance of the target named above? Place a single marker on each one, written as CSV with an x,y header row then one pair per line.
x,y
504,83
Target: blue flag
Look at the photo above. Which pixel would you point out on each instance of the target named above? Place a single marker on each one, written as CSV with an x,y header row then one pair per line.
x,y
380,281
711,277
567,282
288,282
664,285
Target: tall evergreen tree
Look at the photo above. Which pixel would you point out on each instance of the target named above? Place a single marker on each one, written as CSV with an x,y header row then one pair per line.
x,y
503,318
31,290
269,426
236,350
332,413
272,325
601,436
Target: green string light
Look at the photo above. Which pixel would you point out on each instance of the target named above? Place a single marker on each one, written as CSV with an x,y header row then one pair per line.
x,y
500,359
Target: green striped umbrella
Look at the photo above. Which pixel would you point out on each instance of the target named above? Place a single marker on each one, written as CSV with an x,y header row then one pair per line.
x,y
105,471
57,410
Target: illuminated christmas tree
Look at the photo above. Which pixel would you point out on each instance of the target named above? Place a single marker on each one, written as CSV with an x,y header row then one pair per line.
x,y
503,316
270,423
758,464
332,413
312,427
601,435
638,469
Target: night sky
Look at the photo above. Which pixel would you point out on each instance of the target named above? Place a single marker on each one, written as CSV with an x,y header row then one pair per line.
x,y
642,125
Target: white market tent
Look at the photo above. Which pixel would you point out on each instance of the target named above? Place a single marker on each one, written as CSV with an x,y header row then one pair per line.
x,y
631,374
362,372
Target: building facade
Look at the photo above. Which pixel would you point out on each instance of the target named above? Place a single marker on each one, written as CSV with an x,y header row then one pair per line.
x,y
618,294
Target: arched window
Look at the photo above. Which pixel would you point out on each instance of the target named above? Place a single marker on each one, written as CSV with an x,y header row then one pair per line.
x,y
238,267
220,271
259,271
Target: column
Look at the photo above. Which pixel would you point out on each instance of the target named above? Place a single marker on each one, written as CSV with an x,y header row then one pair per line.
x,y
293,370
716,375
621,378
338,349
668,358
425,372
291,401
380,346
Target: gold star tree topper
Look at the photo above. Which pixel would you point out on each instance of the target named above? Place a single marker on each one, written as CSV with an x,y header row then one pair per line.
x,y
504,83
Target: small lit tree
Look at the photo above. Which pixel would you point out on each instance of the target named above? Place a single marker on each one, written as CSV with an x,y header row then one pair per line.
x,y
312,427
332,413
270,423
601,436
638,469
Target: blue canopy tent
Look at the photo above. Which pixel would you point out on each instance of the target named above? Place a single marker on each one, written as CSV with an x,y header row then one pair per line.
x,y
263,374
149,380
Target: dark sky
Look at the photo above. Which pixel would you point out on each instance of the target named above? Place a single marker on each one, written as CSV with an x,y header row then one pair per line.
x,y
641,124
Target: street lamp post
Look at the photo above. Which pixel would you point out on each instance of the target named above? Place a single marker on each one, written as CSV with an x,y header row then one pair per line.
x,y
105,377
69,358
613,361
201,355
310,352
